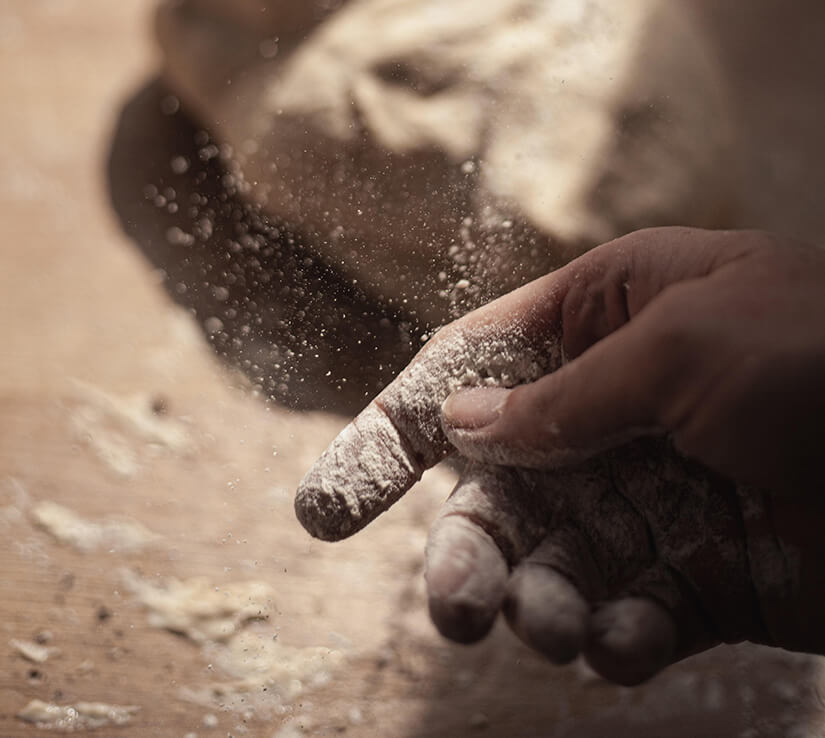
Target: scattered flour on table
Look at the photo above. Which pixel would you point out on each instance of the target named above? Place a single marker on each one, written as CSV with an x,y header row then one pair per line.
x,y
34,652
258,659
198,609
122,432
296,727
81,716
110,534
261,675
14,501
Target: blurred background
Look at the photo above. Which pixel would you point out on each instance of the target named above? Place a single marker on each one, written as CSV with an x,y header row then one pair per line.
x,y
157,412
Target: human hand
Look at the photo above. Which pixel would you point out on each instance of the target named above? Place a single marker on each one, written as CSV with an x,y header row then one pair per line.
x,y
384,451
635,559
727,364
717,338
656,603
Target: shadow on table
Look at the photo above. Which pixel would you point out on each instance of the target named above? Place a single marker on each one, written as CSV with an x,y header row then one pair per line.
x,y
295,327
500,690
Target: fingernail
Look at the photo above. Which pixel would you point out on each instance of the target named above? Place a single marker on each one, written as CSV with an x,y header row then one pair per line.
x,y
475,407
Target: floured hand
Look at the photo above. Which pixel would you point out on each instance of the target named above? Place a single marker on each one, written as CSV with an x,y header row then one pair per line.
x,y
384,451
635,559
715,337
668,330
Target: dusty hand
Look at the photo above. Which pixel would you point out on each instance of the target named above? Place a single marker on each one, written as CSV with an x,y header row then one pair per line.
x,y
384,451
717,338
635,559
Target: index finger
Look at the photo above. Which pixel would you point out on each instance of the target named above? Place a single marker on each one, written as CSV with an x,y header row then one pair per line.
x,y
387,448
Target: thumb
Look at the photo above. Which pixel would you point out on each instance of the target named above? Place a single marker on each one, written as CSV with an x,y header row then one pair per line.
x,y
620,388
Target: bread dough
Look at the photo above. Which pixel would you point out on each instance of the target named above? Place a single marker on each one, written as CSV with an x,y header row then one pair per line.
x,y
443,153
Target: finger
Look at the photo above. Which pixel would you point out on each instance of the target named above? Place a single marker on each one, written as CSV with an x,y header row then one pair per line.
x,y
367,468
547,613
631,640
546,605
570,415
488,524
466,579
657,620
668,587
384,451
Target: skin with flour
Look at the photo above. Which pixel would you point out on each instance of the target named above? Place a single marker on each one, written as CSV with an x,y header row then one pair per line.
x,y
385,450
606,556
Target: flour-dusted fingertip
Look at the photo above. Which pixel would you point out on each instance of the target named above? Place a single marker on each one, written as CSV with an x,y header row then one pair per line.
x,y
323,515
546,611
362,473
466,579
631,640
